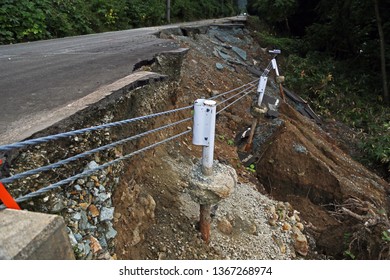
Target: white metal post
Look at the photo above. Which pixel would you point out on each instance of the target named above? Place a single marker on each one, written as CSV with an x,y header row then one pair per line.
x,y
275,66
205,112
279,79
261,89
208,151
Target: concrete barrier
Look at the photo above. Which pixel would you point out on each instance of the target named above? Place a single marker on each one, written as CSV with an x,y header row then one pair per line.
x,y
33,236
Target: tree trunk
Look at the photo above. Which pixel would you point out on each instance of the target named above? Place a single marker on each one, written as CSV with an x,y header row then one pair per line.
x,y
287,26
382,52
169,11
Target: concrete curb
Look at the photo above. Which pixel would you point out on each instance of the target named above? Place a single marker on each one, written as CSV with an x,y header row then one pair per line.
x,y
33,236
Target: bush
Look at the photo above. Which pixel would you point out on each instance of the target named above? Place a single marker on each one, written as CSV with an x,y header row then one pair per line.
x,y
26,20
267,38
345,94
21,21
347,90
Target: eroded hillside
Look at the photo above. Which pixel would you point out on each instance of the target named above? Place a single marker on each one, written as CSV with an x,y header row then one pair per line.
x,y
302,196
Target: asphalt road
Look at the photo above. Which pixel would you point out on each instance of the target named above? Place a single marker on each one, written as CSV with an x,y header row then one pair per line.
x,y
39,77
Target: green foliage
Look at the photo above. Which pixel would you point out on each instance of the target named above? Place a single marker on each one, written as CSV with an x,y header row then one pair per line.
x,y
191,10
27,20
66,18
335,93
266,38
22,20
376,143
274,11
347,240
385,236
108,15
349,254
251,168
146,13
230,142
348,90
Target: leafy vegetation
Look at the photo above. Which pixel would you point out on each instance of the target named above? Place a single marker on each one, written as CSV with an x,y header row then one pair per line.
x,y
333,56
385,236
251,168
28,20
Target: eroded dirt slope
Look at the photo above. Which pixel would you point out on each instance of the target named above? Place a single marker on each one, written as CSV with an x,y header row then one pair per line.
x,y
240,227
344,205
302,197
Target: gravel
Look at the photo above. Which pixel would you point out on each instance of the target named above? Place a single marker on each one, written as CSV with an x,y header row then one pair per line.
x,y
252,237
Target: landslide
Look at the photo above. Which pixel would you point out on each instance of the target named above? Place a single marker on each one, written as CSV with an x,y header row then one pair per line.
x,y
343,206
302,196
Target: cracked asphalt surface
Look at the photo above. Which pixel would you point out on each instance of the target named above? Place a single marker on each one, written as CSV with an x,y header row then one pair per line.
x,y
38,78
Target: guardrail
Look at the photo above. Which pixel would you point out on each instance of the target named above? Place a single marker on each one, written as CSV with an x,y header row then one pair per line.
x,y
236,95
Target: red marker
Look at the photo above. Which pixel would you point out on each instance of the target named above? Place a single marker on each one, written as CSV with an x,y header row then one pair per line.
x,y
7,199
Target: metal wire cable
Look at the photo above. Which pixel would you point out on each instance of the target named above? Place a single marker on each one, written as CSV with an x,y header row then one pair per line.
x,y
233,90
248,88
250,84
85,154
233,96
238,99
267,70
264,74
94,170
84,130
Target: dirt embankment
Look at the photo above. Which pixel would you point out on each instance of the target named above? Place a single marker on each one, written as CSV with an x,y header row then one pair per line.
x,y
328,205
345,207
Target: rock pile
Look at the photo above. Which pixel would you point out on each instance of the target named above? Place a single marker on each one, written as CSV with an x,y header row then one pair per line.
x,y
86,203
90,214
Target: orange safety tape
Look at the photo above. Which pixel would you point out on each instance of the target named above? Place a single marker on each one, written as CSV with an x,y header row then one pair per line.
x,y
7,199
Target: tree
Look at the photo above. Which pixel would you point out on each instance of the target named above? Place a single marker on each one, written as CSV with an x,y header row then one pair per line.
x,y
169,11
382,52
274,11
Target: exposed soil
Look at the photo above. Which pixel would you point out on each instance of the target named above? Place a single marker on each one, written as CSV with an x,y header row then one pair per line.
x,y
303,197
174,234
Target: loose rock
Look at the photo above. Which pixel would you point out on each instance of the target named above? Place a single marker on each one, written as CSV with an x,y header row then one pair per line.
x,y
106,214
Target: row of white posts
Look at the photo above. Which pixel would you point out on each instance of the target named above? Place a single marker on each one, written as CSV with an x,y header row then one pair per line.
x,y
205,112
